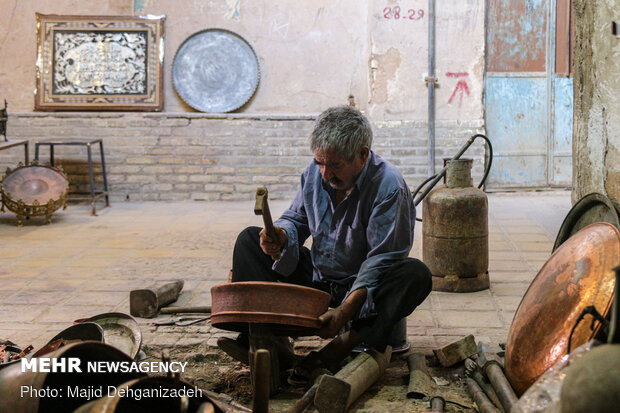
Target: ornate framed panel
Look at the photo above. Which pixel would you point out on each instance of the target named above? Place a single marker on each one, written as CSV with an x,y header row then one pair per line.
x,y
99,63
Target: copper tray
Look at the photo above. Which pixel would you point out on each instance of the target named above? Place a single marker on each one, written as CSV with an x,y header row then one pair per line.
x,y
34,190
288,309
578,274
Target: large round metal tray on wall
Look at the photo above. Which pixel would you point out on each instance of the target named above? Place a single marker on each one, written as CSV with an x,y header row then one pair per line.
x,y
591,208
215,70
288,309
577,275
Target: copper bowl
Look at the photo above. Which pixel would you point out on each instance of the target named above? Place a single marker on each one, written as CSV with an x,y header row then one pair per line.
x,y
34,190
578,274
288,309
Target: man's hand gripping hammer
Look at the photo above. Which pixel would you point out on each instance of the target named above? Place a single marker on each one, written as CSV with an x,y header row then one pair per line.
x,y
262,208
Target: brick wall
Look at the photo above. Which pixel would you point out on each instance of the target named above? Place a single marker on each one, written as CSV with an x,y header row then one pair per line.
x,y
214,157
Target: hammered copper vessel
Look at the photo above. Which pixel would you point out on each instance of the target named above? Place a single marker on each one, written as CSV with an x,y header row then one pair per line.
x,y
34,191
290,309
578,274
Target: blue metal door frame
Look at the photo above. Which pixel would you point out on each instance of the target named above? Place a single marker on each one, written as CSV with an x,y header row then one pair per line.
x,y
528,115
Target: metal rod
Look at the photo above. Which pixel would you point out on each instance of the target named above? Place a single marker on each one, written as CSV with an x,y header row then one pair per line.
x,y
482,402
431,87
500,384
472,370
175,310
438,403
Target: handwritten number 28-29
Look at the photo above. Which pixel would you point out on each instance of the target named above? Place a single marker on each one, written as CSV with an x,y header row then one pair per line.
x,y
394,12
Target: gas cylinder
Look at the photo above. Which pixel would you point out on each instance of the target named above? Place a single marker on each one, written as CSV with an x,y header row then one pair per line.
x,y
455,242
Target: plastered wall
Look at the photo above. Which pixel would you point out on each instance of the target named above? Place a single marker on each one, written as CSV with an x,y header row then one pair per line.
x,y
596,143
312,55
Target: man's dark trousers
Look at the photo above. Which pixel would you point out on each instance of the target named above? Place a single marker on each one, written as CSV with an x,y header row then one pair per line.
x,y
401,289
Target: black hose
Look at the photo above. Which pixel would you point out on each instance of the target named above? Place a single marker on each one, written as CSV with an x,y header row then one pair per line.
x,y
466,146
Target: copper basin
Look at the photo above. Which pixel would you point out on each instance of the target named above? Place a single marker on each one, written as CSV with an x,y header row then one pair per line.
x,y
578,274
289,309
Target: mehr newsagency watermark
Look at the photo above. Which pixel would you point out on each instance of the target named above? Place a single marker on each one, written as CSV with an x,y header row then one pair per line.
x,y
75,365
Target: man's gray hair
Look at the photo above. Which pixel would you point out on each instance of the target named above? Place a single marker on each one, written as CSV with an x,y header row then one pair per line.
x,y
342,129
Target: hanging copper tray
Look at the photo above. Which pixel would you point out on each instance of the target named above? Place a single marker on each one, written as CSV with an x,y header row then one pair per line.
x,y
288,309
34,190
578,274
591,208
215,70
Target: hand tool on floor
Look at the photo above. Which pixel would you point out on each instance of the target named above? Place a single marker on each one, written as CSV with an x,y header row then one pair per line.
x,y
262,208
182,321
473,370
495,373
336,393
146,302
421,384
176,310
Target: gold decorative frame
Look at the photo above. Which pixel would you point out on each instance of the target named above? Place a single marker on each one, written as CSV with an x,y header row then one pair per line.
x,y
99,63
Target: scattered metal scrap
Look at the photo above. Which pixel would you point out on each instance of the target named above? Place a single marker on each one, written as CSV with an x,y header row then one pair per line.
x,y
421,384
475,372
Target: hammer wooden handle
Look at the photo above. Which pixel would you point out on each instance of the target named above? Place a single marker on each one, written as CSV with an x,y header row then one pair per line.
x,y
262,208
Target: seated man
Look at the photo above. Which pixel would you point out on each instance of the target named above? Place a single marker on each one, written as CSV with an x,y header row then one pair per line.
x,y
360,214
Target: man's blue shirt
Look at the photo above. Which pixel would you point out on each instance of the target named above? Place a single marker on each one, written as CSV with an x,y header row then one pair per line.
x,y
354,242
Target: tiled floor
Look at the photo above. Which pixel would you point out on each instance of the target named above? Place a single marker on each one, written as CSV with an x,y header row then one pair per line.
x,y
82,265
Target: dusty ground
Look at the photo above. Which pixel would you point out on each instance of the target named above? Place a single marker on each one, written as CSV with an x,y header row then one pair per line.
x,y
213,370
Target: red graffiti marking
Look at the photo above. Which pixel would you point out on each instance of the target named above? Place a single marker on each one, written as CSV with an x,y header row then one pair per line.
x,y
395,13
461,87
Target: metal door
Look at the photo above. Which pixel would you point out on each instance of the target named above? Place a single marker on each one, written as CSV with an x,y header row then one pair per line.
x,y
528,107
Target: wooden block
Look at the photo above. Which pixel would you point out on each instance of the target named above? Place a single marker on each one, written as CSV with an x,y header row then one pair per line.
x,y
457,351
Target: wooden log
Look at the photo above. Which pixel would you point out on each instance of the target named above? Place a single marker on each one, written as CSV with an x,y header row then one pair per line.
x,y
147,302
336,393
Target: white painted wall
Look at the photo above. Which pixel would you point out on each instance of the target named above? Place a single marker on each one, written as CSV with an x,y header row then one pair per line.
x,y
313,54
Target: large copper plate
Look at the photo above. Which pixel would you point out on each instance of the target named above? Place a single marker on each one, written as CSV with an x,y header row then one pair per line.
x,y
578,274
289,309
35,184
